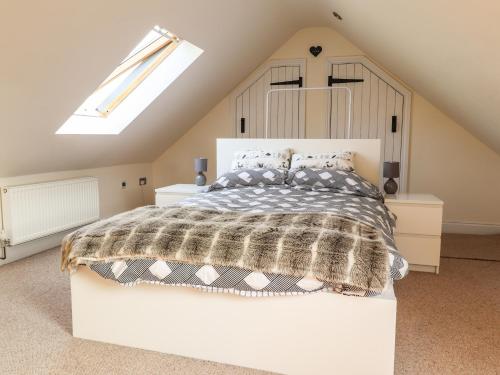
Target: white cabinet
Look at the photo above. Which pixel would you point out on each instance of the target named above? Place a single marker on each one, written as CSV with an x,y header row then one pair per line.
x,y
418,229
174,193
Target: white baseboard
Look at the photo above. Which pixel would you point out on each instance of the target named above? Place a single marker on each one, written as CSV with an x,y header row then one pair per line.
x,y
464,227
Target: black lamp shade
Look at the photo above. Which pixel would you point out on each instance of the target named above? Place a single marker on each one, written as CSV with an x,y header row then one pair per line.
x,y
391,169
200,165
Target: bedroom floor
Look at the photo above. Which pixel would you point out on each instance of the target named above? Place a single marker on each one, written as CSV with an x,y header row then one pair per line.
x,y
446,323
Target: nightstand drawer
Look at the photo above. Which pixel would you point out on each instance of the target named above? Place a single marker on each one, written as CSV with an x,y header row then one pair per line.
x,y
419,250
415,219
163,200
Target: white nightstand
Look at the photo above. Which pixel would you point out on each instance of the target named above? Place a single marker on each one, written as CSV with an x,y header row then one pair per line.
x,y
418,229
174,193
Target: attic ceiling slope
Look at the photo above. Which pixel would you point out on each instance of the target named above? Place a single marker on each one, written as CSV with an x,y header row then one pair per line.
x,y
59,52
446,50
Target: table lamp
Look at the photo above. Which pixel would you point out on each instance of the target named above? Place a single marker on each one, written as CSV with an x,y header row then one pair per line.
x,y
391,171
200,166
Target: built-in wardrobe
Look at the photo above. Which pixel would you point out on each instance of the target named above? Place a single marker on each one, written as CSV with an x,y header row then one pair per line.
x,y
380,105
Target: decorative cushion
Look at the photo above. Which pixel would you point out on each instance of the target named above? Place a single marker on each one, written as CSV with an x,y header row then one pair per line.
x,y
342,160
250,177
252,159
322,179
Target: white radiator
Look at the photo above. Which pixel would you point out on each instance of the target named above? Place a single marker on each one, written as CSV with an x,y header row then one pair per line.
x,y
38,210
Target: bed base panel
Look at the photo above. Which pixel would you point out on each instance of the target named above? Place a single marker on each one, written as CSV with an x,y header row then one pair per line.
x,y
321,333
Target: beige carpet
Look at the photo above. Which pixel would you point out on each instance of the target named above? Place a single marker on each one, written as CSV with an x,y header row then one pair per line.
x,y
483,247
447,324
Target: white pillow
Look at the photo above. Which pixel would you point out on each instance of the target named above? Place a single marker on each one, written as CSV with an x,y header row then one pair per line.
x,y
252,159
342,160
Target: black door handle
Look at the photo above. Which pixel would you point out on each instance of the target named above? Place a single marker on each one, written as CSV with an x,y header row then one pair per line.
x,y
242,125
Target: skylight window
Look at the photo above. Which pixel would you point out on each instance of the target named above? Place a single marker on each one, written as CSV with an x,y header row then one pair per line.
x,y
139,79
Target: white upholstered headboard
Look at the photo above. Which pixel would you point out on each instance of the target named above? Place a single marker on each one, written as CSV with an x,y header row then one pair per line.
x,y
366,159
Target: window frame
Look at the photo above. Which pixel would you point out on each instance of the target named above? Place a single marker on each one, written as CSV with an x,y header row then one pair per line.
x,y
124,101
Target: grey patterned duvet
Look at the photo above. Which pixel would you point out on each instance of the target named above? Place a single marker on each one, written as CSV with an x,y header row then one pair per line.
x,y
277,198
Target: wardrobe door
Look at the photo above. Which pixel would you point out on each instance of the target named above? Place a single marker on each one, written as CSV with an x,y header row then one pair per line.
x,y
376,112
285,109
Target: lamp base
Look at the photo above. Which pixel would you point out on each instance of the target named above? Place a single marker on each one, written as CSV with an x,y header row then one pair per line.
x,y
200,179
390,186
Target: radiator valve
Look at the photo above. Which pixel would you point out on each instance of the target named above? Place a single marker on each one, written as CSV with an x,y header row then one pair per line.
x,y
4,241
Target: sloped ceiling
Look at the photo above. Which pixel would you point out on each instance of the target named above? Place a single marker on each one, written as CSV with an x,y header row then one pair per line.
x,y
55,52
446,50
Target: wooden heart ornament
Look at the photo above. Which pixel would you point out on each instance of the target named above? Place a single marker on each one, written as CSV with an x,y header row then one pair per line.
x,y
315,50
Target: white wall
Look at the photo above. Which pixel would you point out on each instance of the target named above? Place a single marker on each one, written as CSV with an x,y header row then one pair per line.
x,y
112,198
445,159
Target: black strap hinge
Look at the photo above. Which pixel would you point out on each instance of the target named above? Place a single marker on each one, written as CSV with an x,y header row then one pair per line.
x,y
332,81
294,82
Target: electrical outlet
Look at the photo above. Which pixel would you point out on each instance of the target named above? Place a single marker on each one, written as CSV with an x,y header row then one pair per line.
x,y
143,181
124,184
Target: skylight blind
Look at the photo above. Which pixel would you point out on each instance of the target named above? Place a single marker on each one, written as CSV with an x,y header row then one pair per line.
x,y
131,72
133,77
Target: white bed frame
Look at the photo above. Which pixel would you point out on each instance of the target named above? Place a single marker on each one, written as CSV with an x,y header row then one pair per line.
x,y
322,333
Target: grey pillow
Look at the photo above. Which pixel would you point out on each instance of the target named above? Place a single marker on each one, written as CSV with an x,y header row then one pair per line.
x,y
250,177
333,180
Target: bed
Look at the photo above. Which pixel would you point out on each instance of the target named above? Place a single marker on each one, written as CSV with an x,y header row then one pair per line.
x,y
307,329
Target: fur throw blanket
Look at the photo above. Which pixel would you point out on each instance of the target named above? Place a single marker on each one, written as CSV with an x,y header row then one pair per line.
x,y
328,247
